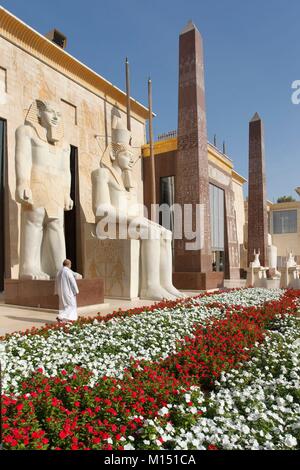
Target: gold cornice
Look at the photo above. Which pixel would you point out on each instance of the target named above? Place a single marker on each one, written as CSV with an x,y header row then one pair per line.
x,y
285,205
219,162
219,159
20,34
239,178
214,156
161,146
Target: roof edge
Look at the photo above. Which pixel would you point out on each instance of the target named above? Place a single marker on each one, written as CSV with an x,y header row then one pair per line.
x,y
19,33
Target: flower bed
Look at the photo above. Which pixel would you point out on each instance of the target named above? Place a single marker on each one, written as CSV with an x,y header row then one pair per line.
x,y
179,378
107,346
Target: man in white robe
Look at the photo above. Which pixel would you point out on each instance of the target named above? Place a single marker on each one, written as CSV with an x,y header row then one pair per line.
x,y
67,289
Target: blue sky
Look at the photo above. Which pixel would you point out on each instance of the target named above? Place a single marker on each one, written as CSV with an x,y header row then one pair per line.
x,y
252,56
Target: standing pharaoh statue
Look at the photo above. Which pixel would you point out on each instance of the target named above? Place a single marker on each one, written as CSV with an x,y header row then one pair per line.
x,y
43,190
113,203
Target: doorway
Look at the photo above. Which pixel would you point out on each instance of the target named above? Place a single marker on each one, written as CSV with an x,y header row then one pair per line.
x,y
2,200
72,217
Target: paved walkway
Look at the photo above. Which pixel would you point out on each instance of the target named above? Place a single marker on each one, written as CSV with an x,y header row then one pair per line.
x,y
14,318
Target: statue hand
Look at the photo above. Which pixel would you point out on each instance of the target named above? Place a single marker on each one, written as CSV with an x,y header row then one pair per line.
x,y
24,195
68,204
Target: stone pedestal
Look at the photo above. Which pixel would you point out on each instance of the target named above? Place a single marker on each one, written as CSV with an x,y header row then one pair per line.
x,y
273,283
117,262
290,277
198,281
40,294
234,283
256,277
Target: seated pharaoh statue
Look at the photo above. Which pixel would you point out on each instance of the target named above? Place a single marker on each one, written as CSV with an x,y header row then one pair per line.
x,y
114,205
43,190
272,259
255,263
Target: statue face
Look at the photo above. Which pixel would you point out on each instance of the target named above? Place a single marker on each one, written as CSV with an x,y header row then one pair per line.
x,y
49,117
125,160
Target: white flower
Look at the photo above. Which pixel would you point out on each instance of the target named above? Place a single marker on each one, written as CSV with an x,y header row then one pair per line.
x,y
290,441
163,411
169,427
128,447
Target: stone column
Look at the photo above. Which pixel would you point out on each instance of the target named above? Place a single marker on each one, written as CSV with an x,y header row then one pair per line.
x,y
257,196
192,185
232,255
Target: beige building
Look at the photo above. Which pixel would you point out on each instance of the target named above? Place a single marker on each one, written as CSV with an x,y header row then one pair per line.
x,y
227,211
34,67
284,226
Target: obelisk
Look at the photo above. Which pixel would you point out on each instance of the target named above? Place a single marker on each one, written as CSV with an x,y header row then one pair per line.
x,y
257,193
192,184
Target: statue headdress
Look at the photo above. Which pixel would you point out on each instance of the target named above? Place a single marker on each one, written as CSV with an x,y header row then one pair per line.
x,y
33,119
120,142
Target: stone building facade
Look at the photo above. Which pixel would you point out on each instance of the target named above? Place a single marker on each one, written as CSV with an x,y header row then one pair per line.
x,y
227,230
284,226
33,67
193,172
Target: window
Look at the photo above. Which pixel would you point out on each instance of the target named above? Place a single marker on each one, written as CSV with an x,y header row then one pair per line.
x,y
218,263
3,81
285,221
217,211
216,198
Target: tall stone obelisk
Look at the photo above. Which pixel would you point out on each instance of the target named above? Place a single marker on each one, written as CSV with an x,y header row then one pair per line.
x,y
192,184
257,193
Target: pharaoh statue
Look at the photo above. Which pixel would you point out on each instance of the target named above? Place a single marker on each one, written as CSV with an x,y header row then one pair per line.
x,y
43,190
290,262
255,263
272,259
113,199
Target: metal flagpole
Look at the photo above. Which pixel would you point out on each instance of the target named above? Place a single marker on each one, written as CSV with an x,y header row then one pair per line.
x,y
128,95
152,161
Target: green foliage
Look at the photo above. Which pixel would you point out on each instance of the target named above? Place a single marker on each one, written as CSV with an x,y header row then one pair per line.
x,y
285,199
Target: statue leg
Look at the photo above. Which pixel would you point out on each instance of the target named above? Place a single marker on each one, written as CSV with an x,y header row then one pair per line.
x,y
150,267
166,264
56,238
31,243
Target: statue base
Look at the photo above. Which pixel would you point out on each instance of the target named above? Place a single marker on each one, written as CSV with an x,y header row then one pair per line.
x,y
40,294
257,276
198,281
290,277
116,261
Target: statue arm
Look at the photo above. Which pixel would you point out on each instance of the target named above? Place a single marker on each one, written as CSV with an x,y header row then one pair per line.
x,y
23,165
101,196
